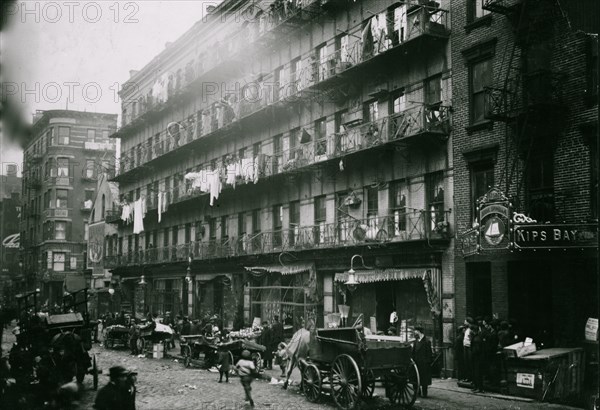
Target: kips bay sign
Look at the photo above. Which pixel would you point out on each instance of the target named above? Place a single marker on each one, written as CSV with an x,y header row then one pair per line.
x,y
555,236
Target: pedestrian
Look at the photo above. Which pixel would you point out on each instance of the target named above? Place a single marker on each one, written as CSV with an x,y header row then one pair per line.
x,y
459,353
422,354
266,339
119,393
134,333
195,329
246,369
394,319
277,330
467,353
478,356
282,357
224,364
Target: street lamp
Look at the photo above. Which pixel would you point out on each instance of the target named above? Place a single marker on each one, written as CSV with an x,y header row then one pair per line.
x,y
143,281
351,283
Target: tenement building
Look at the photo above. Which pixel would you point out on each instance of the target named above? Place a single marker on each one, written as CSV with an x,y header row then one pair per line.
x,y
525,134
63,157
292,159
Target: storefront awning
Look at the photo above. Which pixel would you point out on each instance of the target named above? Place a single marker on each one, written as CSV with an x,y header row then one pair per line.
x,y
288,269
387,275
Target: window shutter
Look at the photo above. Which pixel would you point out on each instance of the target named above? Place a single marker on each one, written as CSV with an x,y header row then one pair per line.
x,y
68,231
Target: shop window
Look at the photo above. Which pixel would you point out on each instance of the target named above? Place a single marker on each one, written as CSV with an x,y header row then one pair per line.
x,y
58,261
64,134
540,184
482,180
480,77
398,203
435,199
475,10
479,289
62,198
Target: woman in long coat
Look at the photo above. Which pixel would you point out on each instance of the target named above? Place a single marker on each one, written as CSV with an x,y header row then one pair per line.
x,y
422,356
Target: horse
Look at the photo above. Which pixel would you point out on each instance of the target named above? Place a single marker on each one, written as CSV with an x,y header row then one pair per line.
x,y
76,360
297,351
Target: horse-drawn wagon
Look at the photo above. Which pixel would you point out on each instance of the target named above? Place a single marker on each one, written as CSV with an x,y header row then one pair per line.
x,y
153,333
116,335
236,347
348,364
199,350
70,331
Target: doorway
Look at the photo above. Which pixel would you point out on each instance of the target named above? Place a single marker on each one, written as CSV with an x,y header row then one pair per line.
x,y
384,295
479,289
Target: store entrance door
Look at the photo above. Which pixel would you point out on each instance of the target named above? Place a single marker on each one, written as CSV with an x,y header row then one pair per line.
x,y
479,289
384,296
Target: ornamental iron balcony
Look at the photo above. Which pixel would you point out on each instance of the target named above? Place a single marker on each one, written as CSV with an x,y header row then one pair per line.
x,y
422,21
113,216
401,226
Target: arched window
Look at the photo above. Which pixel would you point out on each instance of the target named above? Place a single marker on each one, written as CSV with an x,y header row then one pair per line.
x,y
103,206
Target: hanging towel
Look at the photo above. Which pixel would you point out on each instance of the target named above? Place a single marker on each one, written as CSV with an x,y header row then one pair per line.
x,y
367,41
126,213
231,174
138,216
160,205
214,182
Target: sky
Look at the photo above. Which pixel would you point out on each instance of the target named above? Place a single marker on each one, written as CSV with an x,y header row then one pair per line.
x,y
76,54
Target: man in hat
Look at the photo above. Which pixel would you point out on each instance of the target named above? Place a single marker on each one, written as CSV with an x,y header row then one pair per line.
x,y
119,393
277,330
422,356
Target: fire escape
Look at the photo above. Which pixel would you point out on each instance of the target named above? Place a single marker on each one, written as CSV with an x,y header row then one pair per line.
x,y
527,94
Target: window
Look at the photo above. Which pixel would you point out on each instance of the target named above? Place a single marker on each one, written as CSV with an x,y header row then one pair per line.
x,y
398,103
341,48
371,112
295,74
321,55
256,221
435,198
372,211
277,83
320,214
277,158
58,261
91,135
242,153
63,167
63,135
241,224
224,228
592,71
277,213
90,169
480,76
175,235
47,203
89,195
255,149
476,10
294,221
540,184
594,177
105,134
50,137
103,205
62,198
433,90
398,203
60,230
86,231
482,180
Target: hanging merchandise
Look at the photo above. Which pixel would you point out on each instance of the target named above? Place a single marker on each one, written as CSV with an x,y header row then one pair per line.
x,y
138,216
247,165
214,181
367,41
160,205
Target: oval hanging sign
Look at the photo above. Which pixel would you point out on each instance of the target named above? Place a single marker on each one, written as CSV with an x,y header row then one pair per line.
x,y
12,241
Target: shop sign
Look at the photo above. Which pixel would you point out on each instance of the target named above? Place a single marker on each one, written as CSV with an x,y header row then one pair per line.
x,y
469,242
555,236
526,380
12,241
494,217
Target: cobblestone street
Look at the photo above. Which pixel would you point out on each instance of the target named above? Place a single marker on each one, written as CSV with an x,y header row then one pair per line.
x,y
162,385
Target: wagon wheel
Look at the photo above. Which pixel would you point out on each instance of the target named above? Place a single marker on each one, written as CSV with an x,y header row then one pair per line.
x,y
231,369
346,383
257,359
403,385
311,383
187,355
95,373
141,345
368,387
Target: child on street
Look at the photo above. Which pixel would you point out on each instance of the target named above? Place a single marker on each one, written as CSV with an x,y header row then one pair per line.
x,y
247,371
224,365
282,357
